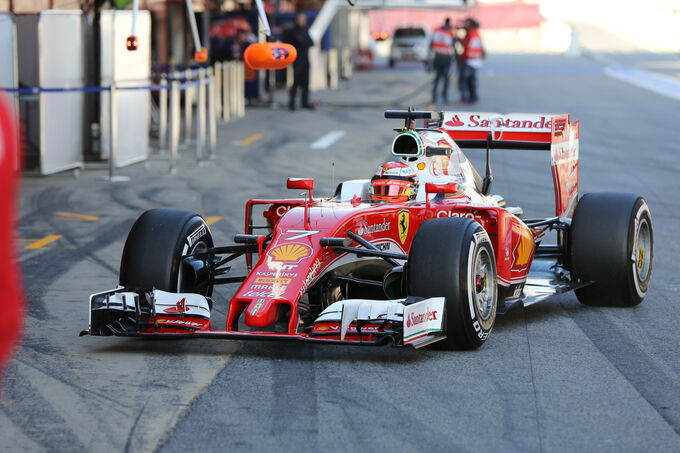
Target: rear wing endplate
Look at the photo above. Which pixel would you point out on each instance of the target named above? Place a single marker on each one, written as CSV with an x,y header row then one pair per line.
x,y
530,131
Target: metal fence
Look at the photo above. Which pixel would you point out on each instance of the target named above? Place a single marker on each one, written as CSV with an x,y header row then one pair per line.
x,y
210,93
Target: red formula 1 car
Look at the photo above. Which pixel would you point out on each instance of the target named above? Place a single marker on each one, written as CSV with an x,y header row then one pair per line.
x,y
422,253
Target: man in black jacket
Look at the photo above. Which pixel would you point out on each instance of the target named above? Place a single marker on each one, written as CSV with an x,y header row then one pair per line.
x,y
300,39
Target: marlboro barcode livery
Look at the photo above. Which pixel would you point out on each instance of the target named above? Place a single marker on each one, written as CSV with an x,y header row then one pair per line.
x,y
423,253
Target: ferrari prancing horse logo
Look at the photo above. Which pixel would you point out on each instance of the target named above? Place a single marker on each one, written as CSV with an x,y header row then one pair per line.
x,y
402,221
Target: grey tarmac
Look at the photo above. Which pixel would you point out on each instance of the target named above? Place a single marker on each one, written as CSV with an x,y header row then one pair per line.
x,y
557,376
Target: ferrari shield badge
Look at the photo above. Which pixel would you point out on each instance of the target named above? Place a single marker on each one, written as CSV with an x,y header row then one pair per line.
x,y
402,221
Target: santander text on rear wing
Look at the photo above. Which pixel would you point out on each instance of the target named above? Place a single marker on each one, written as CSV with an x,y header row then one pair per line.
x,y
538,131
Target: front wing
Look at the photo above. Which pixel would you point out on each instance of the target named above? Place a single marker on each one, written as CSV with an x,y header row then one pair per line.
x,y
153,313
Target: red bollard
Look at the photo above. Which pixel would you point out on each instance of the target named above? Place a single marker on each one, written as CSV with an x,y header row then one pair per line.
x,y
11,289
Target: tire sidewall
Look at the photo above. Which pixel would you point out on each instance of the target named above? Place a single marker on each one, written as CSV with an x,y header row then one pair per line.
x,y
640,213
478,327
153,251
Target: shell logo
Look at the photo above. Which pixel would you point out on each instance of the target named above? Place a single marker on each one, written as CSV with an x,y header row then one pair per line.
x,y
525,247
290,252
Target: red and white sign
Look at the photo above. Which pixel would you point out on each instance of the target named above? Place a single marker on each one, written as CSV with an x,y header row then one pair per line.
x,y
530,127
180,304
564,162
423,318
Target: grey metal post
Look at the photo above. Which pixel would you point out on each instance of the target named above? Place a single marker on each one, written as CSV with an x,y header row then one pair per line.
x,y
113,129
241,89
346,63
200,115
163,115
188,107
212,116
226,93
233,94
174,121
333,69
216,82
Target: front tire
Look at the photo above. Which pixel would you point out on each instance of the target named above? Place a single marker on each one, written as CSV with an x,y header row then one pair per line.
x,y
152,256
454,258
611,245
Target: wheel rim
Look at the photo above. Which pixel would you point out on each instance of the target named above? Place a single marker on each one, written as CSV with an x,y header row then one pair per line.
x,y
642,251
483,291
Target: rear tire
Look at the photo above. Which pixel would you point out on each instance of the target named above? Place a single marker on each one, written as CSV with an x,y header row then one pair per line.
x,y
454,258
611,243
152,257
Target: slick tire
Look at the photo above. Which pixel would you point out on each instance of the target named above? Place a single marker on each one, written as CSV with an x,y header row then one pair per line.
x,y
152,256
611,244
454,258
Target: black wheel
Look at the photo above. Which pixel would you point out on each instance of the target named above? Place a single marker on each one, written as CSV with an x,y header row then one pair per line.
x,y
152,257
454,258
391,63
611,244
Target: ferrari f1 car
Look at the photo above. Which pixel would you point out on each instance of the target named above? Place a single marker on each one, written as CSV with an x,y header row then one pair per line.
x,y
422,254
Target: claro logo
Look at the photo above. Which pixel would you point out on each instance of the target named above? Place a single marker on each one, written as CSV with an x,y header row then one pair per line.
x,y
419,318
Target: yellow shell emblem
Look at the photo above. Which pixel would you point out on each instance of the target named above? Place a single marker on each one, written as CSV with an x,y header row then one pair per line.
x,y
525,247
290,252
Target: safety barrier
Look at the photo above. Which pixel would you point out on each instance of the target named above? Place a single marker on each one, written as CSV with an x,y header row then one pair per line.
x,y
326,68
217,92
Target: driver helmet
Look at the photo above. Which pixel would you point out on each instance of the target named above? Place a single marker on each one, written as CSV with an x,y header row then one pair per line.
x,y
394,182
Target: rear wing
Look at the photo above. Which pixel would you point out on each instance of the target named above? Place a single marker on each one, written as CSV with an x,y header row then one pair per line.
x,y
530,131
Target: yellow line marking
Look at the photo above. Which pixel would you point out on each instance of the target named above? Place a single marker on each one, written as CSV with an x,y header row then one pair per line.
x,y
212,220
250,140
89,218
40,243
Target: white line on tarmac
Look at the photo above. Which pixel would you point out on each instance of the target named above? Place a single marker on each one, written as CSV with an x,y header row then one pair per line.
x,y
327,140
658,83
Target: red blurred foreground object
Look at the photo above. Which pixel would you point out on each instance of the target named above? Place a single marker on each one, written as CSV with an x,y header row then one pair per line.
x,y
11,291
364,60
201,56
269,55
131,42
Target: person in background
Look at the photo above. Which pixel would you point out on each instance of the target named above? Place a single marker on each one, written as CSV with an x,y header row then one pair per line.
x,y
299,37
442,47
471,60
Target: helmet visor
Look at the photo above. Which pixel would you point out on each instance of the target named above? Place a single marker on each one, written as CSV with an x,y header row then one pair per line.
x,y
392,190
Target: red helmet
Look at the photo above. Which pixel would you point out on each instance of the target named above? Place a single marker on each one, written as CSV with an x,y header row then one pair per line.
x,y
394,182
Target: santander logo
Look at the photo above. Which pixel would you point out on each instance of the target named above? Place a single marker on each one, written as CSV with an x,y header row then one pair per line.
x,y
476,121
179,307
454,122
419,318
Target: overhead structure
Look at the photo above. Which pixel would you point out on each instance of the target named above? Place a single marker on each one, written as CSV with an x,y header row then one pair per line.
x,y
331,7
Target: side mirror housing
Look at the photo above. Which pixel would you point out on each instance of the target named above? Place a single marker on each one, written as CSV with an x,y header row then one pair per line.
x,y
451,187
300,183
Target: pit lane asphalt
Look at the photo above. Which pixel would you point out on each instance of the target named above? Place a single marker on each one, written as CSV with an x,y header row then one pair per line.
x,y
553,376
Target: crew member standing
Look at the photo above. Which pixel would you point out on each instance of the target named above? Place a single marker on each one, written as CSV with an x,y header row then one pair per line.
x,y
442,47
299,37
471,60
